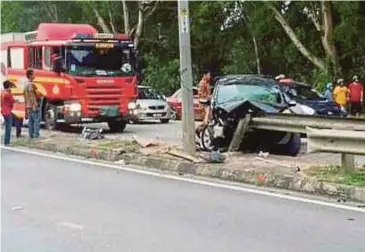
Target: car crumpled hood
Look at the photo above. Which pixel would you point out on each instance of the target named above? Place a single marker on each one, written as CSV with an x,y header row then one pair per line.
x,y
253,105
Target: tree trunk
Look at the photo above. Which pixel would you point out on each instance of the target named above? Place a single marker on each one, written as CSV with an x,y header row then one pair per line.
x,y
52,12
327,35
258,64
101,21
111,21
126,17
139,28
289,31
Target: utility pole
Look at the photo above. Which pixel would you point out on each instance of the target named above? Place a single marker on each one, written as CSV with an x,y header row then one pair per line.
x,y
188,122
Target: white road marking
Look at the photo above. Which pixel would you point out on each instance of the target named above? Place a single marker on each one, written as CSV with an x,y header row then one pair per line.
x,y
70,225
194,181
17,208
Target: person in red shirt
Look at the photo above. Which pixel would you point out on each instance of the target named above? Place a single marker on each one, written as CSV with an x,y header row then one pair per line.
x,y
7,103
356,95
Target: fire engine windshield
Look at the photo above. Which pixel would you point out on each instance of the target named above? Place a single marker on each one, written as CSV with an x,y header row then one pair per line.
x,y
86,60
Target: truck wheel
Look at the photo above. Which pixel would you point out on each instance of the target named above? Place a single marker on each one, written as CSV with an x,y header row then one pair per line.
x,y
117,126
50,118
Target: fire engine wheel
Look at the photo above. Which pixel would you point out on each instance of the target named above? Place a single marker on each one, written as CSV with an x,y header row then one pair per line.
x,y
50,117
117,126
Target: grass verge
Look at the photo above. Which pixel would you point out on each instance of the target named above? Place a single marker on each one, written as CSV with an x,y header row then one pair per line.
x,y
334,174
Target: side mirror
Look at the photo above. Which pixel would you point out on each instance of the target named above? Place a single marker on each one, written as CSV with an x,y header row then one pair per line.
x,y
292,103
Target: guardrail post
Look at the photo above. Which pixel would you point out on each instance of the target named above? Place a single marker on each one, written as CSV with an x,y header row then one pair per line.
x,y
347,162
239,133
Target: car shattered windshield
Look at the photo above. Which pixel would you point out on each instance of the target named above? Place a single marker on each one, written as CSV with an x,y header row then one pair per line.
x,y
86,60
241,91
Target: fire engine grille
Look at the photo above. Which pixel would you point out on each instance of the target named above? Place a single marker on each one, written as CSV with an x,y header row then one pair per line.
x,y
105,95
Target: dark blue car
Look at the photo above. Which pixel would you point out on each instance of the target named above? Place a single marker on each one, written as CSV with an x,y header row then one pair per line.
x,y
306,96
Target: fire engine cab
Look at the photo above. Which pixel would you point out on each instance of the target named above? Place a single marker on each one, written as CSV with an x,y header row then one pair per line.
x,y
81,75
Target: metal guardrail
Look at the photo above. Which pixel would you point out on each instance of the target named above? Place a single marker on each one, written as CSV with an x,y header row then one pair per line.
x,y
324,134
336,141
299,123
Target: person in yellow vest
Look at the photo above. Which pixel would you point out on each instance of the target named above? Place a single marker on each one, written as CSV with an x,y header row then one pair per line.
x,y
340,93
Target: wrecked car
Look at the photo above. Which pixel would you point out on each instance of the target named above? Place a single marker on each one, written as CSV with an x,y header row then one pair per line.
x,y
310,99
237,95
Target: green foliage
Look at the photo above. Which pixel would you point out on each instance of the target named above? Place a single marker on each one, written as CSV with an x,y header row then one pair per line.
x,y
319,79
164,77
221,36
335,174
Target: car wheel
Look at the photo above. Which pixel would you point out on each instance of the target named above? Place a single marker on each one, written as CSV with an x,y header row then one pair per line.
x,y
292,148
117,126
164,121
206,142
173,115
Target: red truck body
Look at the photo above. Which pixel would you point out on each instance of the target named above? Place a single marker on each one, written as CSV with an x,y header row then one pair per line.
x,y
97,82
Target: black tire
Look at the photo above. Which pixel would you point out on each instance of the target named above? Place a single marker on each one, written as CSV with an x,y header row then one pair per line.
x,y
117,126
205,140
50,118
173,115
292,148
164,121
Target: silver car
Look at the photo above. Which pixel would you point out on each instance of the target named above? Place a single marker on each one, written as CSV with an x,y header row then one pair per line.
x,y
151,106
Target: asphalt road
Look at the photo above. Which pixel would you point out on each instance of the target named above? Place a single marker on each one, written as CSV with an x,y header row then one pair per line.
x,y
57,205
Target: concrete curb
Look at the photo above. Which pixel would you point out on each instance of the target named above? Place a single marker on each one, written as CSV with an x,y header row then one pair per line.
x,y
295,181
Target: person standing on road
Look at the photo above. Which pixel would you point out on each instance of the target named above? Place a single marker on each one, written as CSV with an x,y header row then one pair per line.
x,y
340,93
328,94
204,97
32,110
7,103
18,125
356,96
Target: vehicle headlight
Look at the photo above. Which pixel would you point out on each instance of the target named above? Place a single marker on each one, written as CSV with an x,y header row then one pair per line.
x,y
132,105
74,107
307,110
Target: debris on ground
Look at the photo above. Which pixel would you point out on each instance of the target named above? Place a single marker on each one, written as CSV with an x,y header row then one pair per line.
x,y
120,162
92,133
294,168
145,142
261,179
264,154
213,157
181,154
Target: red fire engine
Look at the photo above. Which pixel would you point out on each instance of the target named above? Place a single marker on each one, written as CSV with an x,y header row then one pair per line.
x,y
82,76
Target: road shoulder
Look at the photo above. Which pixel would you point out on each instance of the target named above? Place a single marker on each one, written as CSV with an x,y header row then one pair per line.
x,y
273,171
